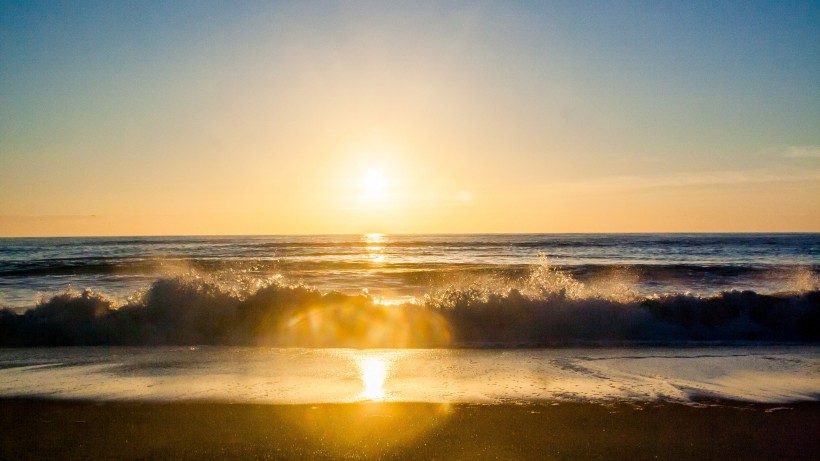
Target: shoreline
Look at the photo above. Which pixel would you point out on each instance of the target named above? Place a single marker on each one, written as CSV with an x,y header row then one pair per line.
x,y
83,429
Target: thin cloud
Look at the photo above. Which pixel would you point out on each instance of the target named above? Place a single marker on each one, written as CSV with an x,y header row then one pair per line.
x,y
28,218
717,178
802,152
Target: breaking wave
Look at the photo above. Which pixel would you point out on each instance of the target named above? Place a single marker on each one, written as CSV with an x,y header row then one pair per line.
x,y
548,307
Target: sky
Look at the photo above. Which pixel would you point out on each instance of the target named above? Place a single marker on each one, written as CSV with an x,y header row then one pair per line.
x,y
236,117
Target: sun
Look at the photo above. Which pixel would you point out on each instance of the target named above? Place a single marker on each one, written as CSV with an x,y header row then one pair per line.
x,y
375,184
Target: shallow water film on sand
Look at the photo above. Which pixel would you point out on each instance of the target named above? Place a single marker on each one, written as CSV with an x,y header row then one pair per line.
x,y
752,373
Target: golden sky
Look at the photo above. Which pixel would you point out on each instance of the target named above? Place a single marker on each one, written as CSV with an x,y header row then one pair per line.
x,y
349,117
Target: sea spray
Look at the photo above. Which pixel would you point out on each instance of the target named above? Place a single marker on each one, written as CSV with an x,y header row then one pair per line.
x,y
551,310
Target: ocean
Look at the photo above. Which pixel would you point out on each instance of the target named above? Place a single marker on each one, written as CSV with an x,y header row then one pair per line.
x,y
471,318
406,267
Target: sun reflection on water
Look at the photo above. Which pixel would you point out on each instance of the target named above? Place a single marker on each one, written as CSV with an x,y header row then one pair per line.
x,y
374,247
373,238
374,254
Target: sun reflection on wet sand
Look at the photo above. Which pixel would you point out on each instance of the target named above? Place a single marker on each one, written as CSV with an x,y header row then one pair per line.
x,y
373,374
369,423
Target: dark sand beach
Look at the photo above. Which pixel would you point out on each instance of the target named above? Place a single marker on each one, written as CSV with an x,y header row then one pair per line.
x,y
58,429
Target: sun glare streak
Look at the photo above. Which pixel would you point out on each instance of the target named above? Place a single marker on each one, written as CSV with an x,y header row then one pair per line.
x,y
374,373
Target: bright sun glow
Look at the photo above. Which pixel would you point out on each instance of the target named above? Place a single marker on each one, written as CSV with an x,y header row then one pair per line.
x,y
374,372
375,184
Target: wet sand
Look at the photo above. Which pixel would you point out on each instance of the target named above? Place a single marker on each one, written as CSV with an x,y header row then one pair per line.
x,y
59,429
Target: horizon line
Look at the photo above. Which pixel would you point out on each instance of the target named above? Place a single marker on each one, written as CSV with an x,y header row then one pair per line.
x,y
410,233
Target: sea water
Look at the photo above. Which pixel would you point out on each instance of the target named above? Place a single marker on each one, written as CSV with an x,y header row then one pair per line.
x,y
403,267
463,317
754,373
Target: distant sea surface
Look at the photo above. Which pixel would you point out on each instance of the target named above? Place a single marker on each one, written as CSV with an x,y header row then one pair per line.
x,y
399,268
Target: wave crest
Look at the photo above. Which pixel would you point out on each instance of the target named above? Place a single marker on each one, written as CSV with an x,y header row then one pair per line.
x,y
547,308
